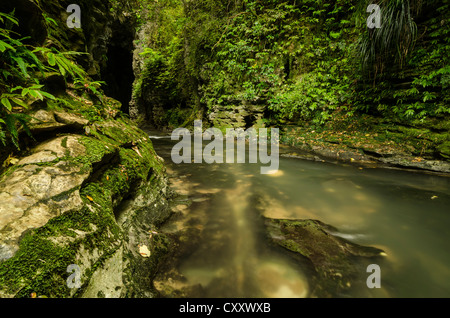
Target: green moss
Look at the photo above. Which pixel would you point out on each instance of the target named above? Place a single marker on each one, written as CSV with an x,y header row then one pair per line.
x,y
118,157
444,150
161,243
294,247
39,266
64,142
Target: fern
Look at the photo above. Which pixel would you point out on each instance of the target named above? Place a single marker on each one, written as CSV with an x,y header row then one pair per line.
x,y
13,122
2,132
19,64
62,63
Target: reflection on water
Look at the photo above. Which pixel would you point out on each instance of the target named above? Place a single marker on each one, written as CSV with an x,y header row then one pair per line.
x,y
396,211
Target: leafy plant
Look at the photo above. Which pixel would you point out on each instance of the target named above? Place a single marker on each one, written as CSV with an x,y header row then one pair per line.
x,y
19,84
389,45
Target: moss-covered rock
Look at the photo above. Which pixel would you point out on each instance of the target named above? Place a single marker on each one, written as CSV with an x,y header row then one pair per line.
x,y
373,141
444,150
61,205
334,265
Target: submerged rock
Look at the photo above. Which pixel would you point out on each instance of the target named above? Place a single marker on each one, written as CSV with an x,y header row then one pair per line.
x,y
335,266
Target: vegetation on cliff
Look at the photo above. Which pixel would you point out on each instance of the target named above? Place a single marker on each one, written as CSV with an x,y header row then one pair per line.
x,y
302,63
91,187
80,184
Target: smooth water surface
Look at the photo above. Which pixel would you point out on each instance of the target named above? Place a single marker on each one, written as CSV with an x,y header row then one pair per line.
x,y
404,213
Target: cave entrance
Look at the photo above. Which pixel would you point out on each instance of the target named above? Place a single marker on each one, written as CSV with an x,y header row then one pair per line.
x,y
118,74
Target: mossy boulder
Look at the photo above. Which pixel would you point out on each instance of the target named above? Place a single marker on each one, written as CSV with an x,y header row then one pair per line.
x,y
335,266
371,141
444,150
89,200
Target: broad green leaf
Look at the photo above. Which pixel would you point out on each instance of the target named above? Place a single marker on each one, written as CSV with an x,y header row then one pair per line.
x,y
48,95
51,20
6,103
16,88
21,63
36,94
62,70
20,102
9,17
36,86
51,59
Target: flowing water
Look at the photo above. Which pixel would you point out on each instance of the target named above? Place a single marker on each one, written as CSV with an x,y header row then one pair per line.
x,y
406,214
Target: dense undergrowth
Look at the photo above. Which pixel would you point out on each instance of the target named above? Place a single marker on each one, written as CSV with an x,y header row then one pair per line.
x,y
304,60
25,68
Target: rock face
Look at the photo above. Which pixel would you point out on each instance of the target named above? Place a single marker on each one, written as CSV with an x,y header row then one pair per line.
x,y
242,115
87,190
30,14
89,200
44,120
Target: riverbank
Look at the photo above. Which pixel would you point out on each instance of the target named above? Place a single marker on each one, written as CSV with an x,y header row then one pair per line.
x,y
232,225
367,142
370,142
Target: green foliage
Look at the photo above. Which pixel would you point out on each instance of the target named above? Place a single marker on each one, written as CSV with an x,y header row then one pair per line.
x,y
286,55
309,98
415,82
21,67
389,45
304,60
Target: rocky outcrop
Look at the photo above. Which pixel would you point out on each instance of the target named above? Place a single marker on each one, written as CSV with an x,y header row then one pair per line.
x,y
106,34
335,265
242,115
89,199
43,120
423,147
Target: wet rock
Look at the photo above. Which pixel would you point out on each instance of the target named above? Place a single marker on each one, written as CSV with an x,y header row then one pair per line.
x,y
71,119
241,115
44,120
29,191
334,265
107,282
421,148
409,162
60,206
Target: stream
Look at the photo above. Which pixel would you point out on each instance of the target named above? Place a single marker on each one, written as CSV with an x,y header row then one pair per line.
x,y
404,213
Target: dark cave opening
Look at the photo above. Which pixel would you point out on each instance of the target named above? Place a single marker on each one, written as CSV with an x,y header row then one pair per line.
x,y
118,74
249,121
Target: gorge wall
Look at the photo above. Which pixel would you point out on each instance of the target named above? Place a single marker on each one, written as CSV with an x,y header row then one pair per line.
x,y
313,69
83,196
